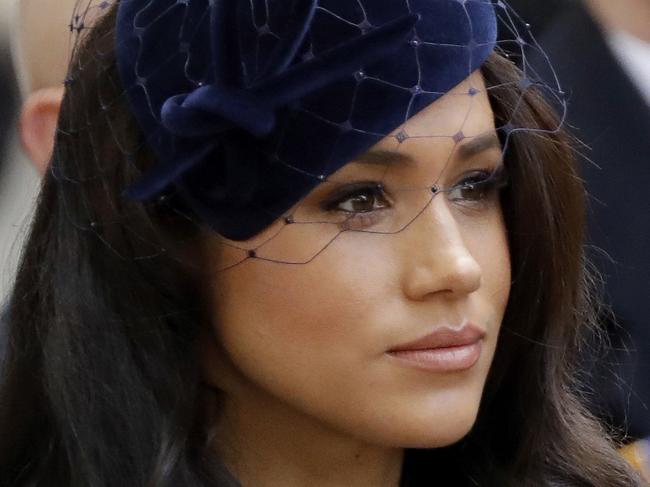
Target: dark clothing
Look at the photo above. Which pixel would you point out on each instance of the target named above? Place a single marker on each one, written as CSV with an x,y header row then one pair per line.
x,y
608,114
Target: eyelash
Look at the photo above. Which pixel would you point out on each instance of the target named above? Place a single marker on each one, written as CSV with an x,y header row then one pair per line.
x,y
486,181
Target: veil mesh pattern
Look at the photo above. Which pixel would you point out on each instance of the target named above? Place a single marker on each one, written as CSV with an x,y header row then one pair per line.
x,y
98,121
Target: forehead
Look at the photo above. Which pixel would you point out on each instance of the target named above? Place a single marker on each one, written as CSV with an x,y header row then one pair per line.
x,y
463,111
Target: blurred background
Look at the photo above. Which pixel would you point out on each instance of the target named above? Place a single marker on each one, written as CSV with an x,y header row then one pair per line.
x,y
19,180
601,52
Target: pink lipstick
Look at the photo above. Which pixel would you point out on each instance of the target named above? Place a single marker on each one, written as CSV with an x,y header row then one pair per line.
x,y
443,350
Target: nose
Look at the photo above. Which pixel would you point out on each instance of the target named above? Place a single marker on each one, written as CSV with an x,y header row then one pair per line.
x,y
437,259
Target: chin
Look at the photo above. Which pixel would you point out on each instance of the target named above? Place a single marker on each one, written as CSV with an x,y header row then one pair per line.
x,y
441,434
442,419
436,427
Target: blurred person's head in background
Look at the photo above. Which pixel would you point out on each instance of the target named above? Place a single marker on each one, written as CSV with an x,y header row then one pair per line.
x,y
630,16
40,49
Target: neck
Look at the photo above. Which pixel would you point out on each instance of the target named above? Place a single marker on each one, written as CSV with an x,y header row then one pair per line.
x,y
630,16
264,443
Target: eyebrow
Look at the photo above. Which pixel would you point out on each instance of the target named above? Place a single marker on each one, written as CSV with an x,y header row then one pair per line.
x,y
478,144
384,158
472,147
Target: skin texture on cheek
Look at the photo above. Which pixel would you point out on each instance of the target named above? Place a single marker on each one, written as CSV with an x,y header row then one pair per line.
x,y
303,348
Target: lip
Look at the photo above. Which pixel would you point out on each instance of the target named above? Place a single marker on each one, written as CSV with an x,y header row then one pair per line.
x,y
444,350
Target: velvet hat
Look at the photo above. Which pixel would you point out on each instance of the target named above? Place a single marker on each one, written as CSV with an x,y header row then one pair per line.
x,y
249,104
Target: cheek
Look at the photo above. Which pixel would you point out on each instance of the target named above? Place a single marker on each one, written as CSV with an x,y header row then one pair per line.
x,y
495,260
310,335
487,241
284,316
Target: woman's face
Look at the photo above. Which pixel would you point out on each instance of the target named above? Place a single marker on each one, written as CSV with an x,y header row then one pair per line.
x,y
313,339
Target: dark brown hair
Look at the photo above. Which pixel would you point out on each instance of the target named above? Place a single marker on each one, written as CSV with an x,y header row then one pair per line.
x,y
101,384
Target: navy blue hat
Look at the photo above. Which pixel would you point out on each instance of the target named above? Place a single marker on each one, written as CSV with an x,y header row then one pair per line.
x,y
250,104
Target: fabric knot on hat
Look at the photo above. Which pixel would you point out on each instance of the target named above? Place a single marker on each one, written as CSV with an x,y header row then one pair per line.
x,y
213,109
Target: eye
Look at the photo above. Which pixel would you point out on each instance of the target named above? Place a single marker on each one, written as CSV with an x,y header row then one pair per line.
x,y
358,198
478,186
